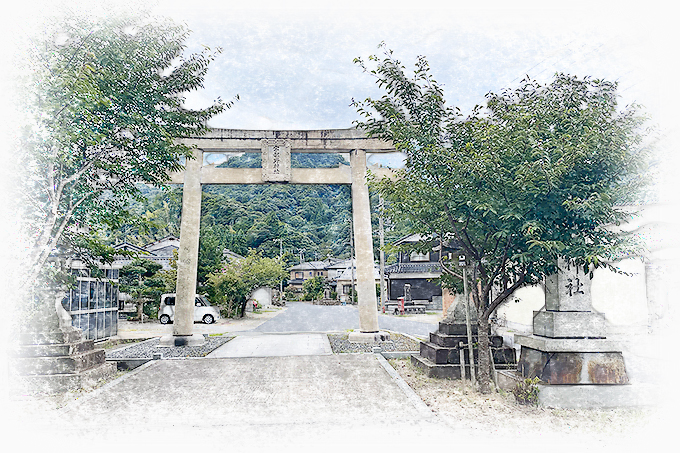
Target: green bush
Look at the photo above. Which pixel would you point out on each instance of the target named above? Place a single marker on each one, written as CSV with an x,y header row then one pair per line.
x,y
526,392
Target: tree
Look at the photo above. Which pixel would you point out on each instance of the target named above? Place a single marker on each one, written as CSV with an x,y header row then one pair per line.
x,y
141,280
106,107
313,288
534,176
232,285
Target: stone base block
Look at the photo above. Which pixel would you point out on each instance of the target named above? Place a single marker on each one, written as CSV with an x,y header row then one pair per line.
x,y
508,379
561,368
169,341
569,324
368,337
59,383
597,396
584,396
74,363
448,328
566,344
434,370
452,341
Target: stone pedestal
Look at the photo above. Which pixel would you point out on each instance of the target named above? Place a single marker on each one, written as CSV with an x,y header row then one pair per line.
x,y
53,357
568,345
196,339
440,357
368,337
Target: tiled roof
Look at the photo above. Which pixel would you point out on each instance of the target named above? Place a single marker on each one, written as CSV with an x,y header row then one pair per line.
x,y
413,268
315,265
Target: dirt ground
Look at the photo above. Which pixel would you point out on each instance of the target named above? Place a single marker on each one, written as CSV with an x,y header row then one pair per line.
x,y
499,414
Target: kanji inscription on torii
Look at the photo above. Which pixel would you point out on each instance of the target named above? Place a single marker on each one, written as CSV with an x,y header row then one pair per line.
x,y
276,160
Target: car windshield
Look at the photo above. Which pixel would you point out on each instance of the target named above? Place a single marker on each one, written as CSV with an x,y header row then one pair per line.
x,y
204,300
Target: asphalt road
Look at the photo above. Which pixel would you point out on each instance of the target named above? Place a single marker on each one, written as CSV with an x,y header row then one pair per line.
x,y
305,317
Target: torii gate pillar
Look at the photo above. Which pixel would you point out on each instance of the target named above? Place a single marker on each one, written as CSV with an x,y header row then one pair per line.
x,y
187,258
363,240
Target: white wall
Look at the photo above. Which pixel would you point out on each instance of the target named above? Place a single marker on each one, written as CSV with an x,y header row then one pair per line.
x,y
622,299
263,296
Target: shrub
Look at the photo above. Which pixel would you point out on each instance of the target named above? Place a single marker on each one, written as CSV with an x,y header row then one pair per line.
x,y
526,392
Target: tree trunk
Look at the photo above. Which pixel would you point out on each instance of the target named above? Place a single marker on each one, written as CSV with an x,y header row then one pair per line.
x,y
140,310
484,375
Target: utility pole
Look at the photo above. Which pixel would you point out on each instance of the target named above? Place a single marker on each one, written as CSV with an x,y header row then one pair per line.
x,y
383,288
351,259
281,261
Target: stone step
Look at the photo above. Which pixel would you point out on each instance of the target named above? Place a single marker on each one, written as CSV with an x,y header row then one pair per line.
x,y
56,337
450,341
55,350
443,355
457,328
434,370
58,383
59,365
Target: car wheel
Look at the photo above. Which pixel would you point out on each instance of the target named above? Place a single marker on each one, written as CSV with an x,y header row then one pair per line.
x,y
208,319
165,319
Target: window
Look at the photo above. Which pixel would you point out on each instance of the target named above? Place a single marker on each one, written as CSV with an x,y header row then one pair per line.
x,y
415,256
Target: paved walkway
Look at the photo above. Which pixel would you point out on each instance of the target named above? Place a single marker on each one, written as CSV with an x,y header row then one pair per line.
x,y
325,403
295,317
306,317
274,346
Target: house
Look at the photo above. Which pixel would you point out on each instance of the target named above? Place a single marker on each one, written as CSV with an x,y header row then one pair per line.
x,y
419,269
343,282
337,267
305,271
161,252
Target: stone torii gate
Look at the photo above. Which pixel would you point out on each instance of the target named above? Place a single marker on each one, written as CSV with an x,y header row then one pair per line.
x,y
276,148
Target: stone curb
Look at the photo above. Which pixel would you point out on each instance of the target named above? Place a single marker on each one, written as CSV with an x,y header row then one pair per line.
x,y
420,406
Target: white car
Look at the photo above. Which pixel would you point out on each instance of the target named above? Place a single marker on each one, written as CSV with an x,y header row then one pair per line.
x,y
203,311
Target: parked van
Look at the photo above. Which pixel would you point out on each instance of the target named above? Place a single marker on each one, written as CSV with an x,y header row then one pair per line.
x,y
203,311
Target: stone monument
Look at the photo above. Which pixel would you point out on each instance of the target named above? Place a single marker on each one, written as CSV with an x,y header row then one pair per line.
x,y
52,356
568,344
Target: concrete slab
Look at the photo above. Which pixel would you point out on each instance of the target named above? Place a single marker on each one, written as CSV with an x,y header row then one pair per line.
x,y
273,345
304,403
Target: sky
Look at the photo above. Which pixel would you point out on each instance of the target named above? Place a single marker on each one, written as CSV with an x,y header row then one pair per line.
x,y
291,63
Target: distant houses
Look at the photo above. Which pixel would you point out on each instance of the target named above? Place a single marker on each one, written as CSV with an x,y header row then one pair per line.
x,y
161,252
420,270
306,271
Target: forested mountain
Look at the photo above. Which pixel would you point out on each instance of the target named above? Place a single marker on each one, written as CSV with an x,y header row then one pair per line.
x,y
310,222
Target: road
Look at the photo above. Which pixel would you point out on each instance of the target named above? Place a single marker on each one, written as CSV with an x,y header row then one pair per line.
x,y
305,317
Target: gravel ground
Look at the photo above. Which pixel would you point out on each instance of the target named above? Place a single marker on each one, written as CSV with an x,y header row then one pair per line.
x,y
146,349
397,342
499,414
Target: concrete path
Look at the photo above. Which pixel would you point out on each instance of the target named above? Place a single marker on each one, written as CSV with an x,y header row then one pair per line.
x,y
306,317
274,346
346,402
153,328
